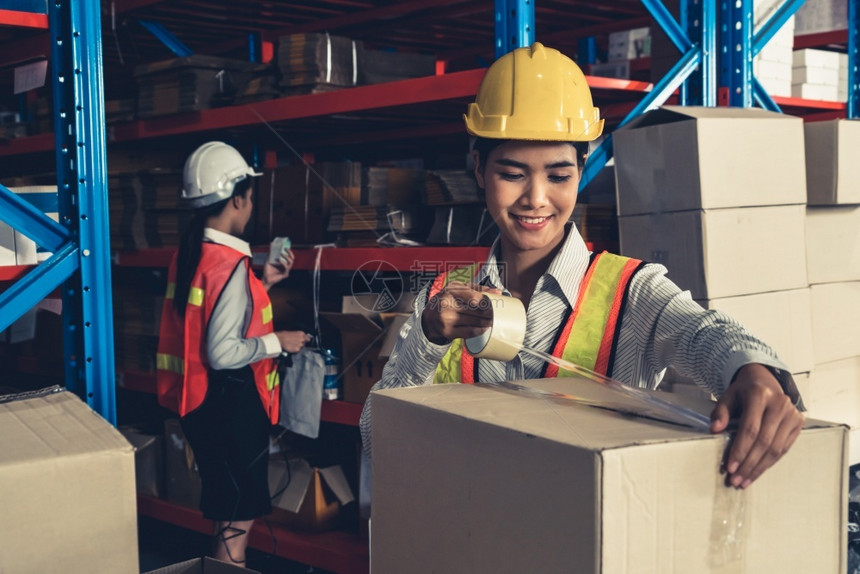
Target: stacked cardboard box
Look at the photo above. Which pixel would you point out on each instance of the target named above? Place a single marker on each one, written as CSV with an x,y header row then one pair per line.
x,y
145,208
717,195
378,66
16,248
815,75
833,259
772,66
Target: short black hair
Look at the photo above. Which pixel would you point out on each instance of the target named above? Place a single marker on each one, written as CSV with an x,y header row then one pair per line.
x,y
485,145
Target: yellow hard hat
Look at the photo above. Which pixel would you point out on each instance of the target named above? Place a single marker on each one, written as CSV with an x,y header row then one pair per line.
x,y
534,93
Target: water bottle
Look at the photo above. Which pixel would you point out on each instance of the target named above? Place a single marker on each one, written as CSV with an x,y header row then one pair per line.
x,y
331,384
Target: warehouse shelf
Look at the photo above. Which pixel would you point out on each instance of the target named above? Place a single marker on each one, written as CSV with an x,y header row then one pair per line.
x,y
340,412
335,551
13,272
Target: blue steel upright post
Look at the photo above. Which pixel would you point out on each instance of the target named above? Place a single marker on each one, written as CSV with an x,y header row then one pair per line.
x,y
736,32
76,59
694,54
514,26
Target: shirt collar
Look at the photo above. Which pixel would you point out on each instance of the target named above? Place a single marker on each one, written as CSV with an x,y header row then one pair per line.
x,y
226,239
567,267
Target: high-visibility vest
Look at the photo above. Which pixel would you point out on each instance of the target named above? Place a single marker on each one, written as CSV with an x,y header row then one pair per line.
x,y
181,361
587,335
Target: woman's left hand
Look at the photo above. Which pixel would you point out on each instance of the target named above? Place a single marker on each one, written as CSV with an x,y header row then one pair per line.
x,y
276,273
768,423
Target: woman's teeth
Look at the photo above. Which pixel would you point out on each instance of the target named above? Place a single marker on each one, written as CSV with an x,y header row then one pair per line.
x,y
531,219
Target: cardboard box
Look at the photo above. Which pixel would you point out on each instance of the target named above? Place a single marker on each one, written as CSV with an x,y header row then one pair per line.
x,y
148,461
682,158
834,392
833,243
782,319
723,252
832,169
203,565
66,488
508,483
367,338
835,321
181,476
307,497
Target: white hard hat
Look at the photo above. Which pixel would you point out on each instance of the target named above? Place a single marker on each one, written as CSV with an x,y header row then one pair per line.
x,y
211,173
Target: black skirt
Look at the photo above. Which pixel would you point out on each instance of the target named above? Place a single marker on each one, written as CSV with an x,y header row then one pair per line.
x,y
229,434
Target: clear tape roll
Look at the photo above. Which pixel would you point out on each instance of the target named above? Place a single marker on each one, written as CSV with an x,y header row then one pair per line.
x,y
504,339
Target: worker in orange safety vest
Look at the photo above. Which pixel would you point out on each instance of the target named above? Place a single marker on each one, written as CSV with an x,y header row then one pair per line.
x,y
217,350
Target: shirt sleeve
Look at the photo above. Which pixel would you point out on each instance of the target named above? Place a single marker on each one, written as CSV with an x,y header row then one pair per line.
x,y
662,326
412,362
226,345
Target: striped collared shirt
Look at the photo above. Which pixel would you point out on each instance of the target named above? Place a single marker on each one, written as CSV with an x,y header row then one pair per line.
x,y
661,326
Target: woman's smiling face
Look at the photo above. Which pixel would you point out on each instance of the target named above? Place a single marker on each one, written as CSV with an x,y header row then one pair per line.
x,y
531,190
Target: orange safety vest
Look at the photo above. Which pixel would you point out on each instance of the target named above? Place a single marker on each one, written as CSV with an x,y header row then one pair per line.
x,y
588,334
181,361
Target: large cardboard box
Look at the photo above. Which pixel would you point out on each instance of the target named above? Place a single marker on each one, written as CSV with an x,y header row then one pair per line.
x,y
832,169
782,319
683,158
66,488
833,243
835,321
307,497
723,252
473,479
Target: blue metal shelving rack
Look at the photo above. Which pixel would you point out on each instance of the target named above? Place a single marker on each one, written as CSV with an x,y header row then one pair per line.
x,y
80,242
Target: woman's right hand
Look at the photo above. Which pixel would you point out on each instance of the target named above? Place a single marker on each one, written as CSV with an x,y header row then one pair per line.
x,y
293,341
458,311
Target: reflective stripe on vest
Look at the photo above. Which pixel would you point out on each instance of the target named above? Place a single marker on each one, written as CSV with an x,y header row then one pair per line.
x,y
172,363
458,365
588,335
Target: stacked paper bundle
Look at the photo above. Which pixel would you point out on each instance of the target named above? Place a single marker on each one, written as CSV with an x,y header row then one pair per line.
x,y
311,63
119,110
190,84
144,209
391,186
263,85
450,186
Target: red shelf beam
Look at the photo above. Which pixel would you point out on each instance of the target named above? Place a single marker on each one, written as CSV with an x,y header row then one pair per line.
x,y
339,412
820,39
333,258
335,551
19,19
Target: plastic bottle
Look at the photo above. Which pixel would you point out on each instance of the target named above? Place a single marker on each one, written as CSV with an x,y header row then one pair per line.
x,y
331,381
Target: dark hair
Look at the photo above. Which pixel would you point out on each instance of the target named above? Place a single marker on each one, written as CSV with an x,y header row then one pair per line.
x,y
190,245
484,146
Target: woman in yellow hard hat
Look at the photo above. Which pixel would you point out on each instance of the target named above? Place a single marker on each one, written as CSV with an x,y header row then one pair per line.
x,y
533,118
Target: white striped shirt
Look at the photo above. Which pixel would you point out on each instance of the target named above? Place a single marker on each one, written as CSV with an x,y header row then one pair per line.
x,y
661,326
